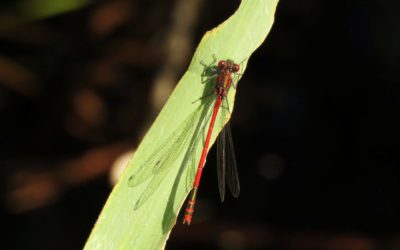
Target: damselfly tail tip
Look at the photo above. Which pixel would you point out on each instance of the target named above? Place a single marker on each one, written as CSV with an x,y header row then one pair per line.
x,y
187,218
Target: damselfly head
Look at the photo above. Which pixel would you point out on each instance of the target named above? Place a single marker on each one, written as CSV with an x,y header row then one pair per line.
x,y
228,65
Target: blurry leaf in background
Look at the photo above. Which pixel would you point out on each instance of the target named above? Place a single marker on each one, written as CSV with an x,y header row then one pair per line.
x,y
37,9
20,12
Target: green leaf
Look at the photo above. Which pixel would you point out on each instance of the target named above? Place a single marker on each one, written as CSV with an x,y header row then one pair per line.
x,y
22,11
37,9
143,207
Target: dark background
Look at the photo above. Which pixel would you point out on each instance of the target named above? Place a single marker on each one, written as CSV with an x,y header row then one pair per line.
x,y
316,122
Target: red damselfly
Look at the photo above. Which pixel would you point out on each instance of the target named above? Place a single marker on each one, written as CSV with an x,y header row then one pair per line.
x,y
226,164
187,137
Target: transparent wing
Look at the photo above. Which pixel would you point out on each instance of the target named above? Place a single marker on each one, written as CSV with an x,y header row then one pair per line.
x,y
226,161
160,171
164,154
221,164
232,177
163,158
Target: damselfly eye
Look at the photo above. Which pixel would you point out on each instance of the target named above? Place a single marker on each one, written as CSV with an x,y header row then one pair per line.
x,y
235,68
222,64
